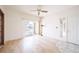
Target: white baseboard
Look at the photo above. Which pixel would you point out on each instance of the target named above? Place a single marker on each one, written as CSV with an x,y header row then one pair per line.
x,y
12,39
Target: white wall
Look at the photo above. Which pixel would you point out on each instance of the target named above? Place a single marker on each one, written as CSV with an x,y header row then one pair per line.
x,y
37,27
52,20
15,23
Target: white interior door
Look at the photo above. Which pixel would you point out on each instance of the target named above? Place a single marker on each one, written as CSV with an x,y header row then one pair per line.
x,y
77,30
72,29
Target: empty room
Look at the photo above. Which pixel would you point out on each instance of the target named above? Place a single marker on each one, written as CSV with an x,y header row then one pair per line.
x,y
39,29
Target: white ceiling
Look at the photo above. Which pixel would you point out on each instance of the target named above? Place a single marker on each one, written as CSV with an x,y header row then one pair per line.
x,y
29,8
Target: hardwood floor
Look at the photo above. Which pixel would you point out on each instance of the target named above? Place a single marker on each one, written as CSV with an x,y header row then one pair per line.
x,y
33,44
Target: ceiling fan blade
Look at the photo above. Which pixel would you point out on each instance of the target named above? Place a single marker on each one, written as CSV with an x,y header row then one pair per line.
x,y
44,11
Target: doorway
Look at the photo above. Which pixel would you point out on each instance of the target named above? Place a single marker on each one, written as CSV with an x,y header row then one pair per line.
x,y
64,28
1,28
30,28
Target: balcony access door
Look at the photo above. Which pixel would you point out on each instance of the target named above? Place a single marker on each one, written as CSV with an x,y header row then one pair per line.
x,y
1,28
29,28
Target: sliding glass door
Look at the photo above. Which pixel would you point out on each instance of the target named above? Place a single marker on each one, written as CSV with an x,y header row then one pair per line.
x,y
29,28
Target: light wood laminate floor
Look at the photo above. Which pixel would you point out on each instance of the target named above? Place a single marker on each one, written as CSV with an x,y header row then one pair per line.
x,y
33,44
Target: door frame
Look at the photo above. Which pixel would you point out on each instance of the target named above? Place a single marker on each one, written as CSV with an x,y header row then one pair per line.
x,y
2,27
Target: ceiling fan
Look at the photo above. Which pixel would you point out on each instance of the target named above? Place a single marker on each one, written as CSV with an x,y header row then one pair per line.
x,y
38,10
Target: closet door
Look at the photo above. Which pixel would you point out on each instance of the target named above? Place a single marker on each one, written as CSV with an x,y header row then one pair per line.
x,y
77,30
72,29
1,28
